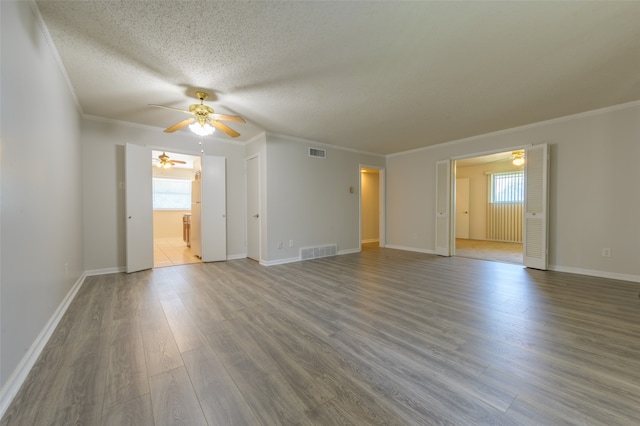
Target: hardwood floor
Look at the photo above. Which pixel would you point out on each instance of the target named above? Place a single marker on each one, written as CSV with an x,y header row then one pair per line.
x,y
378,337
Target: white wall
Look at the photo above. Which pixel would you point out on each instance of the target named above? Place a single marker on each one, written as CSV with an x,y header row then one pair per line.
x,y
309,199
168,223
594,200
103,161
41,211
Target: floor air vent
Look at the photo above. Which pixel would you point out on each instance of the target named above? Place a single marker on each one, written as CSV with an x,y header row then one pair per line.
x,y
318,153
319,251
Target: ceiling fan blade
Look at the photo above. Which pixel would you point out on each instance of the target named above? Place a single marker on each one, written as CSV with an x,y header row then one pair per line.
x,y
225,117
179,125
228,130
179,161
168,107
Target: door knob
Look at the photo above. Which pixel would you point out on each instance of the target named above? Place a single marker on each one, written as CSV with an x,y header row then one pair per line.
x,y
256,216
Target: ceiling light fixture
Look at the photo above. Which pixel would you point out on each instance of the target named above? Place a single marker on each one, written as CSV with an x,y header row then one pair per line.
x,y
518,158
164,162
202,129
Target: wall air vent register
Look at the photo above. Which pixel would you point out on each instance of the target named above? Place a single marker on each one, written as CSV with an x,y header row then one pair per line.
x,y
317,153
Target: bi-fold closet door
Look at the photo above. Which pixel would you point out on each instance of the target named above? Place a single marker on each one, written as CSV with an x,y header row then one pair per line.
x,y
139,208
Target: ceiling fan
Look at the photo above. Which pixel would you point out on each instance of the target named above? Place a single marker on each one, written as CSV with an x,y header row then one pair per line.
x,y
165,162
204,120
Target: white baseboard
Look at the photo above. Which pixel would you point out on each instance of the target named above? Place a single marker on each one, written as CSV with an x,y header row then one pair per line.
x,y
279,261
105,271
298,259
349,251
19,375
416,249
237,256
594,273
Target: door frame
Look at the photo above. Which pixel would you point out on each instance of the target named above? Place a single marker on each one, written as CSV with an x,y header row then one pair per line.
x,y
452,212
382,186
198,154
247,213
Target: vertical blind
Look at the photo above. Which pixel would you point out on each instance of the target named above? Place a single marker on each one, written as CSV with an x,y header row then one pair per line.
x,y
507,187
505,207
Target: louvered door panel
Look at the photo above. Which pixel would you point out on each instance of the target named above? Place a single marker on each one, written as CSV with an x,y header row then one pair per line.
x,y
536,207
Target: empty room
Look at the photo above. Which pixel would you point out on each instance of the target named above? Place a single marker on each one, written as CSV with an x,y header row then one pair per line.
x,y
256,213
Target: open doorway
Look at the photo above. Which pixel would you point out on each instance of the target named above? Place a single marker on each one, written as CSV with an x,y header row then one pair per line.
x,y
371,216
489,200
174,175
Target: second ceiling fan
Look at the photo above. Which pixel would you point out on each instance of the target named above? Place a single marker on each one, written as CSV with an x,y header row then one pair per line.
x,y
163,161
204,119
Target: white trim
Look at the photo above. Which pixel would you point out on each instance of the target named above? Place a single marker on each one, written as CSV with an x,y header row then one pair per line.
x,y
298,259
237,256
324,145
551,121
105,271
54,51
595,273
19,375
349,251
258,157
156,128
414,249
493,151
280,261
255,138
556,268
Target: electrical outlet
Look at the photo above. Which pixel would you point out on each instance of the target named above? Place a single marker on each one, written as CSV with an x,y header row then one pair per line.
x,y
290,243
280,244
606,252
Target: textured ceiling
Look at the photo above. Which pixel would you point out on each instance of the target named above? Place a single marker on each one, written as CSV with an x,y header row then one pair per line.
x,y
382,77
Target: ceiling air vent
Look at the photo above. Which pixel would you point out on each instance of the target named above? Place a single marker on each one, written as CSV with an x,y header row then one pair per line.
x,y
318,153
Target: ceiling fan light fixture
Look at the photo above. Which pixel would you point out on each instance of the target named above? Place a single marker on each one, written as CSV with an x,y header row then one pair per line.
x,y
518,158
201,130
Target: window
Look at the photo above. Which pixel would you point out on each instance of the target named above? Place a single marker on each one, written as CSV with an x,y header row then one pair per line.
x,y
507,187
171,194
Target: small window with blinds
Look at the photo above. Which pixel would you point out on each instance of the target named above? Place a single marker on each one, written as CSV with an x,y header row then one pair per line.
x,y
171,194
507,187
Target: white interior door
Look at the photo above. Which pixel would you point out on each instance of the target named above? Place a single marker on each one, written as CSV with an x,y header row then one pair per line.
x,y
253,208
536,207
139,208
462,208
213,209
443,207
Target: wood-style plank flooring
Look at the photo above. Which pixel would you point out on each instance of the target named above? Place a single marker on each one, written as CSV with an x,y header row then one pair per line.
x,y
378,337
